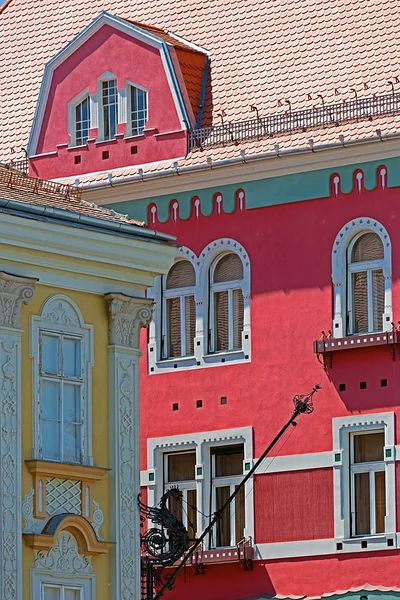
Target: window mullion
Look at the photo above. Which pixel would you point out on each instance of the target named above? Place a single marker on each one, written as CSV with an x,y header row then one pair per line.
x,y
353,503
61,405
350,324
372,502
211,324
232,507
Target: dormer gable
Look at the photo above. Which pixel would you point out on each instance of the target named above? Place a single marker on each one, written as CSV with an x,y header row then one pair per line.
x,y
121,93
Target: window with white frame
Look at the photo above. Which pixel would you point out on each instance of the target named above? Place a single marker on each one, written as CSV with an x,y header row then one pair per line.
x,y
226,303
137,110
362,279
82,122
52,591
61,394
179,470
364,478
227,473
368,496
366,284
179,311
109,103
61,346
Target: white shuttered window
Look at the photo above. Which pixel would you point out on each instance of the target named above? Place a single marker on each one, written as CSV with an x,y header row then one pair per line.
x,y
366,284
179,326
62,592
226,304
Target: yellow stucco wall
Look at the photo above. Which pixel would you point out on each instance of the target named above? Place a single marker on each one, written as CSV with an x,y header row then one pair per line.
x,y
94,310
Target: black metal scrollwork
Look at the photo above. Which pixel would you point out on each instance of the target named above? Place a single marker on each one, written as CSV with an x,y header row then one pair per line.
x,y
169,540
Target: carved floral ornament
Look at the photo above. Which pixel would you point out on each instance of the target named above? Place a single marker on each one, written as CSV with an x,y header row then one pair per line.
x,y
127,315
14,292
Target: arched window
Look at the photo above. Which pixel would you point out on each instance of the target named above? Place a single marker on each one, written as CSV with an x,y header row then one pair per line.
x,y
226,303
366,284
179,327
82,122
362,279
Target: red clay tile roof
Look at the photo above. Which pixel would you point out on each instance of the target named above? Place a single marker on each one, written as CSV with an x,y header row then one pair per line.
x,y
262,53
21,188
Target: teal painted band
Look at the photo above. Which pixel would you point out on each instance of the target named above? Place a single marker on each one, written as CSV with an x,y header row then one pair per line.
x,y
272,191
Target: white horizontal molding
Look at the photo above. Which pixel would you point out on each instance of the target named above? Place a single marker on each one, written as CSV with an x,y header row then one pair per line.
x,y
81,254
239,172
296,462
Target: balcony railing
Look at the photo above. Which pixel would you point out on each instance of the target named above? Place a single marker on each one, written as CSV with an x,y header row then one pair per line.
x,y
325,115
19,165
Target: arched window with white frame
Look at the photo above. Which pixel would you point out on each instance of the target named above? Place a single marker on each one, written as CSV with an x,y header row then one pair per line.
x,y
109,105
362,279
179,311
226,305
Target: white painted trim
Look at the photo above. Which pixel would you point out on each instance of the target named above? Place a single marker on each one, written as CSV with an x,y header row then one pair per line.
x,y
202,358
237,172
60,314
80,258
40,577
344,238
120,25
202,442
296,462
341,429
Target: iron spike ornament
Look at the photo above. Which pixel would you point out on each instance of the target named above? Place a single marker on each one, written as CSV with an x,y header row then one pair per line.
x,y
168,542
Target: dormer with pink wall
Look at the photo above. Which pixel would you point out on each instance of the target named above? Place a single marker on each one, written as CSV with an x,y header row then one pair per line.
x,y
120,94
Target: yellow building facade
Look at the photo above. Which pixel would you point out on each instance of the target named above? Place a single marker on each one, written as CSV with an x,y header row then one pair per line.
x,y
72,303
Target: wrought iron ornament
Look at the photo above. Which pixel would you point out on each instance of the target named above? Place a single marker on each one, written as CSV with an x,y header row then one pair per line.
x,y
164,545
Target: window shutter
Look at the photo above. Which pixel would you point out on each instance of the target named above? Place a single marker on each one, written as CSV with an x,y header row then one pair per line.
x,y
238,314
368,247
221,307
181,275
174,326
378,294
360,301
229,268
190,314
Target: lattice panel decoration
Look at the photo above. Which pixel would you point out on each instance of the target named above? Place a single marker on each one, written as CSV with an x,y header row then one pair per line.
x,y
63,496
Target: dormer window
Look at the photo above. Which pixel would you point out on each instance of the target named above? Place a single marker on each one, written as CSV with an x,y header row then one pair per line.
x,y
82,122
137,109
110,108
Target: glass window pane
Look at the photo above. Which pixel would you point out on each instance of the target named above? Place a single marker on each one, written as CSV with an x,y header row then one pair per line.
x,y
378,293
238,316
72,443
72,357
368,247
239,515
50,354
221,321
360,302
181,275
72,594
190,324
50,436
224,524
380,501
181,467
229,464
369,447
174,326
175,506
229,268
192,514
72,403
50,399
362,503
51,593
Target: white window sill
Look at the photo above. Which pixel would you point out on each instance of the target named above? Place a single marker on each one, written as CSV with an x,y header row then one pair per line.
x,y
191,362
368,542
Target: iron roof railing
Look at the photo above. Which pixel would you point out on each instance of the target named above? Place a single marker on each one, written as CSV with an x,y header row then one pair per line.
x,y
19,165
14,179
326,115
